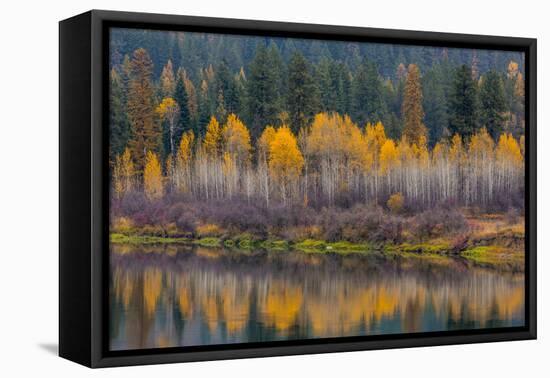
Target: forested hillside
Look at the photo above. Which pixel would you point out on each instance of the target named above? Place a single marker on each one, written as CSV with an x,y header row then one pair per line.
x,y
274,81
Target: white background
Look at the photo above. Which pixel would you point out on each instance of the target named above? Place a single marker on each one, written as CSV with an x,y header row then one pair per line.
x,y
29,187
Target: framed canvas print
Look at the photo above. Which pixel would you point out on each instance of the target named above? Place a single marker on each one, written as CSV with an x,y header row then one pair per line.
x,y
233,188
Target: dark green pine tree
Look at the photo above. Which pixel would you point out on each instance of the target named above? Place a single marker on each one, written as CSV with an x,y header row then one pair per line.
x,y
278,68
393,101
302,93
225,84
181,97
342,79
435,105
263,101
493,103
327,80
368,100
119,125
463,104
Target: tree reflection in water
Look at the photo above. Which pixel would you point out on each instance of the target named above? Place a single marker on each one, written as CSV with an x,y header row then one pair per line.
x,y
166,296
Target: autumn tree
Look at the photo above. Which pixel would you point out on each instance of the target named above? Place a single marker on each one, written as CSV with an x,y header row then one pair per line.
x,y
213,138
123,174
236,139
182,176
169,111
413,113
285,160
389,157
141,111
167,80
153,185
263,147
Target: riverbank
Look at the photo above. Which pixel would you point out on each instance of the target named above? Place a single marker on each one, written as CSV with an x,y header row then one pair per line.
x,y
503,248
491,239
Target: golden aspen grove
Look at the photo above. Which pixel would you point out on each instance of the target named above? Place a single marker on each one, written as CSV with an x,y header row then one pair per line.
x,y
270,188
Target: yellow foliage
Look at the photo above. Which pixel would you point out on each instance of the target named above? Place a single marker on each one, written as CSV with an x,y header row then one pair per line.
x,y
167,79
122,225
440,152
508,150
481,145
208,229
282,305
336,137
123,173
375,137
168,108
396,202
185,150
389,156
212,138
456,152
237,139
323,134
152,286
285,159
513,69
152,177
264,142
228,166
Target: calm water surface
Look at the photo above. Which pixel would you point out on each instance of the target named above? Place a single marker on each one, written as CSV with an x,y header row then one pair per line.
x,y
165,296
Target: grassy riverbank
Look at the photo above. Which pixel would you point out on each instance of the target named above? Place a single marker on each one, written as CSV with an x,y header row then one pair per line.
x,y
486,239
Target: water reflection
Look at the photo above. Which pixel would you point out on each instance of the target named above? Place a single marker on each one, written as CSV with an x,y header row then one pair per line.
x,y
180,296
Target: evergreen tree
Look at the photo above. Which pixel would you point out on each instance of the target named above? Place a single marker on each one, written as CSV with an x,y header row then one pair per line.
x,y
493,103
302,94
262,94
328,85
119,127
278,69
182,98
463,104
435,104
226,89
368,103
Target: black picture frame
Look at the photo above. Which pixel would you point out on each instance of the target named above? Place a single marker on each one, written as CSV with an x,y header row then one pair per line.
x,y
83,196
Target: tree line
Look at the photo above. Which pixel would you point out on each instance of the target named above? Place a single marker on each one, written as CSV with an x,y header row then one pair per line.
x,y
270,91
262,134
332,162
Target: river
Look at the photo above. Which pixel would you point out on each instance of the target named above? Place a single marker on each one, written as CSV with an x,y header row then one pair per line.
x,y
167,296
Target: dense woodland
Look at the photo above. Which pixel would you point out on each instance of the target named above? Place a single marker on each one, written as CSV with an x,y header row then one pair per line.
x,y
304,123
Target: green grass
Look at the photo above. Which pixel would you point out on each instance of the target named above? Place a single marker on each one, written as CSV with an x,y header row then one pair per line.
x,y
494,255
274,245
208,242
341,247
431,248
142,239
